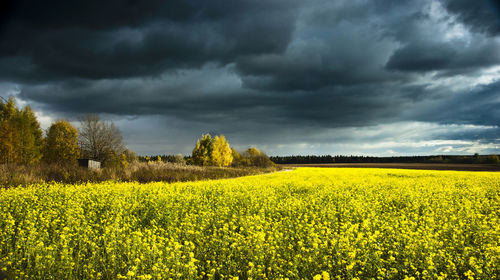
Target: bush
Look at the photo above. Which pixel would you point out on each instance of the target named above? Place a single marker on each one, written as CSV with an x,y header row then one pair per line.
x,y
253,157
179,159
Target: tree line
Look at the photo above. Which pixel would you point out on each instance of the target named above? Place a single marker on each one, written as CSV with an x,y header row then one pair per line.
x,y
216,151
313,159
22,140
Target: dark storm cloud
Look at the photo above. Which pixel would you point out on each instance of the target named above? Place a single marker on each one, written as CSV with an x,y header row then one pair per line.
x,y
483,16
194,96
358,46
312,65
335,44
480,106
430,56
415,57
111,39
261,70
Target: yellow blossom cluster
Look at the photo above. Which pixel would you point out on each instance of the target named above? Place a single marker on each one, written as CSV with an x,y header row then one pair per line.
x,y
310,223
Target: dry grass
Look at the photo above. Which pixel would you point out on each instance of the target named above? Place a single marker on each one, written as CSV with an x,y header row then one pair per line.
x,y
172,172
21,175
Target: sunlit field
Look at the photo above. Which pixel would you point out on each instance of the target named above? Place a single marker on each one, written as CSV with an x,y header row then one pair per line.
x,y
310,223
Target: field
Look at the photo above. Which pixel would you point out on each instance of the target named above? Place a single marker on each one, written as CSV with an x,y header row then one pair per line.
x,y
309,223
418,166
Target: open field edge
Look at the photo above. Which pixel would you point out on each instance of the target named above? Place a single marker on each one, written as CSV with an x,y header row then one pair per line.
x,y
417,166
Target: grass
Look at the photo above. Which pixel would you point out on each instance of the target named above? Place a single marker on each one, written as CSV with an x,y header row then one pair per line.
x,y
21,175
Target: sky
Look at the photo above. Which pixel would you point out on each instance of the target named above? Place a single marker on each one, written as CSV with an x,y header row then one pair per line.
x,y
350,77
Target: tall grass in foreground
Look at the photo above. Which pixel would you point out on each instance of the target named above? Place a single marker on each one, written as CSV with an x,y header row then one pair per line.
x,y
304,224
15,175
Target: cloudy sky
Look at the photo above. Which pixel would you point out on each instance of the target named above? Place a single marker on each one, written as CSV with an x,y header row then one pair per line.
x,y
364,77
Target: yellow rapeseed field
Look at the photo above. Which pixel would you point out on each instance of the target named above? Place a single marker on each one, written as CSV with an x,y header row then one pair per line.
x,y
310,223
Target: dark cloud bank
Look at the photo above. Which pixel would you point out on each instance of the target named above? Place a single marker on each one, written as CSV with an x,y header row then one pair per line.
x,y
365,77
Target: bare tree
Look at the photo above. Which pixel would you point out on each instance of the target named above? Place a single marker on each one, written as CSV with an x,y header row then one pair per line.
x,y
99,140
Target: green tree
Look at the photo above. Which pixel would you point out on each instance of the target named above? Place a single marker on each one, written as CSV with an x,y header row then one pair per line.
x,y
20,134
203,150
30,136
9,132
7,150
61,145
8,110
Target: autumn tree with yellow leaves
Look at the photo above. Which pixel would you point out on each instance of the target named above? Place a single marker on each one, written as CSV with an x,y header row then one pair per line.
x,y
61,145
21,138
221,152
212,151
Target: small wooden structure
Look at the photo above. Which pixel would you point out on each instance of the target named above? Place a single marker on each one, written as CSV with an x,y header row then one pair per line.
x,y
88,163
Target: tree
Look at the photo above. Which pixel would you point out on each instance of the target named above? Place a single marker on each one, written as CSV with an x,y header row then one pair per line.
x,y
61,145
255,157
130,156
179,159
203,150
31,136
221,154
100,140
212,151
9,133
8,110
7,149
492,159
238,159
20,134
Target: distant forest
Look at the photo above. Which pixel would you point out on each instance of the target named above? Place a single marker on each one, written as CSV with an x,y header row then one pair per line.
x,y
486,159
